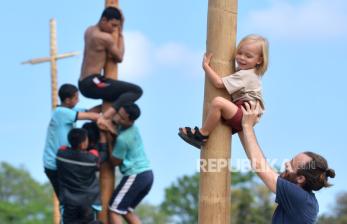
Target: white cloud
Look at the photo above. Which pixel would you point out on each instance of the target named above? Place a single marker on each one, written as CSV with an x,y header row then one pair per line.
x,y
143,58
137,60
317,19
179,57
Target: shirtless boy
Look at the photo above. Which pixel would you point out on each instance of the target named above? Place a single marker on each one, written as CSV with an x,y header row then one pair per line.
x,y
100,46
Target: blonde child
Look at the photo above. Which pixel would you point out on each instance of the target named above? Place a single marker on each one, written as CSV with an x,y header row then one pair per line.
x,y
243,86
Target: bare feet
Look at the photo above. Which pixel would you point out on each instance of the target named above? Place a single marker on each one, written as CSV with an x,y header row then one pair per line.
x,y
106,125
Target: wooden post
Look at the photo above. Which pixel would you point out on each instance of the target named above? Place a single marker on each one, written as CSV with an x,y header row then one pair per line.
x,y
54,88
53,54
107,174
214,194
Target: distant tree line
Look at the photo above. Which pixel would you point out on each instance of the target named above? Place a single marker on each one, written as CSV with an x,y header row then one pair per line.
x,y
26,201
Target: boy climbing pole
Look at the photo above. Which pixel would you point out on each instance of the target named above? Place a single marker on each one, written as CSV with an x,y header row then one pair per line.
x,y
100,47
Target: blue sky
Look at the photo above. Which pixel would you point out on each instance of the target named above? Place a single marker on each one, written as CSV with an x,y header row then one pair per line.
x,y
304,87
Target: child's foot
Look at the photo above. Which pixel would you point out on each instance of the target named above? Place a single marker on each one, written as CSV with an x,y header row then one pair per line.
x,y
106,125
193,138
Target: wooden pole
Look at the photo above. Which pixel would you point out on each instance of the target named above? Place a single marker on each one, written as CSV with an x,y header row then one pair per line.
x,y
214,194
53,53
107,174
111,68
54,88
54,93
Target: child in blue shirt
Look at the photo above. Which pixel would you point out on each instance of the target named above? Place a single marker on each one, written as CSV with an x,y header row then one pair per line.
x,y
128,153
62,121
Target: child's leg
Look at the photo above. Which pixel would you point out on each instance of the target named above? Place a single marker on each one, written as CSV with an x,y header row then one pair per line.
x,y
128,93
123,197
119,93
71,214
53,179
115,218
97,87
88,214
132,218
220,108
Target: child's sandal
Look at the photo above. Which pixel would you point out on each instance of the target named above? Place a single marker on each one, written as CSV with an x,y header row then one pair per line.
x,y
195,139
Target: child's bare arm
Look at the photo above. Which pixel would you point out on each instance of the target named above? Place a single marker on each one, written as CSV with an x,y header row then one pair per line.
x,y
116,49
88,116
211,74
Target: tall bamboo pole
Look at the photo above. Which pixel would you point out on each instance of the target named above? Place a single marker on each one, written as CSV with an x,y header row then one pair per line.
x,y
53,54
54,88
107,174
214,194
54,94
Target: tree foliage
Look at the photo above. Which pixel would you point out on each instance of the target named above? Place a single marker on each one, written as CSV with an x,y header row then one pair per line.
x,y
151,214
338,213
22,199
251,202
181,200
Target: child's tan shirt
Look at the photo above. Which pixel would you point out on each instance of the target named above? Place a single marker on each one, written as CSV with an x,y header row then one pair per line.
x,y
244,85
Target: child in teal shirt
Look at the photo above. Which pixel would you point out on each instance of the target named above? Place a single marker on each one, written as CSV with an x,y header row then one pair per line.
x,y
128,153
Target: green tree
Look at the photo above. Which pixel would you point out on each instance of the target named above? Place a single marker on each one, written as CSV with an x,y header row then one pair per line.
x,y
181,200
338,214
265,205
22,199
151,214
251,201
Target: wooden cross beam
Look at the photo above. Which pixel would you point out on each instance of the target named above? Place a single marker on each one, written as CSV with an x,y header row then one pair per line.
x,y
53,60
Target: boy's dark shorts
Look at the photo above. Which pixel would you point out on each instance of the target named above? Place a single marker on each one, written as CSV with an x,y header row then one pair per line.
x,y
236,121
74,214
93,87
130,192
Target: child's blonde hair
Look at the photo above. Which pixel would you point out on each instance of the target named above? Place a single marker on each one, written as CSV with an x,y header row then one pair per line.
x,y
264,44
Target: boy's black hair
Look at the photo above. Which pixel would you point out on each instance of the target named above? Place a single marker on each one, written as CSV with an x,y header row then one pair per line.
x,y
111,13
76,136
93,133
67,91
133,110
